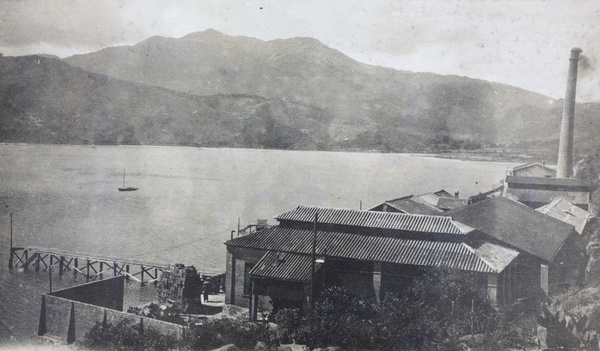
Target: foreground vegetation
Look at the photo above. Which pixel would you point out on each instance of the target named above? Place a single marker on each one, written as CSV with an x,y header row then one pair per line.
x,y
440,312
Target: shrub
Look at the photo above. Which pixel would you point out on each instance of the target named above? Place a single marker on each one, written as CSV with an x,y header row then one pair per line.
x,y
288,322
222,331
127,336
432,314
512,328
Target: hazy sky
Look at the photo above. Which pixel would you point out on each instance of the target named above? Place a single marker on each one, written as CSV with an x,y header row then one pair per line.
x,y
522,43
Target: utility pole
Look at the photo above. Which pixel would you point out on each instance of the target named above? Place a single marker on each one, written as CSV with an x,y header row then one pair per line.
x,y
313,257
10,258
472,317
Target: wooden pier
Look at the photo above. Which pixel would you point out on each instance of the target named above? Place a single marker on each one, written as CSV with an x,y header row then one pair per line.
x,y
90,265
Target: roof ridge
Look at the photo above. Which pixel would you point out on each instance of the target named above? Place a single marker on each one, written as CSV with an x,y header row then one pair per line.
x,y
402,221
489,264
401,198
441,215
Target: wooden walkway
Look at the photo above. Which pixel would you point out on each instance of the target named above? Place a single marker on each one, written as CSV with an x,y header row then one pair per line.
x,y
90,265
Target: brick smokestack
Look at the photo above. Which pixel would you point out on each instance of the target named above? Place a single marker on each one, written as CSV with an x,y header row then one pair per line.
x,y
565,146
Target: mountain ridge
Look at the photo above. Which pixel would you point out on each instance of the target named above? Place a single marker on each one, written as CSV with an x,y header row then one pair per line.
x,y
283,84
306,71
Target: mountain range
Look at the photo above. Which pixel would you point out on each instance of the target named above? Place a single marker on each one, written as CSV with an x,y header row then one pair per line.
x,y
210,89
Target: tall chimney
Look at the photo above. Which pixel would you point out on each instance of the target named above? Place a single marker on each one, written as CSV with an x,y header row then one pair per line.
x,y
565,147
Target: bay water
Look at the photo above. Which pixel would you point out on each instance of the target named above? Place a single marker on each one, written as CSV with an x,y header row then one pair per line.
x,y
188,202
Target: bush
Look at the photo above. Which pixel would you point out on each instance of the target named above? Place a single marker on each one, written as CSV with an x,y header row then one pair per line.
x,y
213,334
432,314
512,328
338,319
218,332
127,336
288,322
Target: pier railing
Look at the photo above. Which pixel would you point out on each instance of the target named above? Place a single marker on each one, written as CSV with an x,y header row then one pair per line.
x,y
91,265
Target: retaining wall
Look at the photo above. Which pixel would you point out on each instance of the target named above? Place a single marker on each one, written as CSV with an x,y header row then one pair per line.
x,y
70,320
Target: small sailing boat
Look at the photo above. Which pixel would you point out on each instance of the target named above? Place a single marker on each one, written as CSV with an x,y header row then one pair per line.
x,y
126,188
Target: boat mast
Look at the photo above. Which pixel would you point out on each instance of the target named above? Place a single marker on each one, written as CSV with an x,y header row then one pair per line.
x,y
123,177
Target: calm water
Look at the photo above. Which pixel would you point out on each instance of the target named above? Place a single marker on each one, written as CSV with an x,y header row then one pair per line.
x,y
188,202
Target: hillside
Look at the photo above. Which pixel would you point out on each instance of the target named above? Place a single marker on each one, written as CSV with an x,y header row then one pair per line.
x,y
45,100
372,107
210,89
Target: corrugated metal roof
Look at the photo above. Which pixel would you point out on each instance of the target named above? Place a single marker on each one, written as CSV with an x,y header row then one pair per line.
x,y
567,212
443,193
374,219
284,266
430,253
427,199
413,207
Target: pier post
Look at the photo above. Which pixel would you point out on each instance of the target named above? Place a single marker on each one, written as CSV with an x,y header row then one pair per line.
x,y
64,261
50,278
10,258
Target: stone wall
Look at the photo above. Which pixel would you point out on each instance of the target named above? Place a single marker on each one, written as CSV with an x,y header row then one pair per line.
x,y
65,318
59,312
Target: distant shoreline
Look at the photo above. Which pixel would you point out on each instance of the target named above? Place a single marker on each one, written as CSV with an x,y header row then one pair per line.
x,y
481,155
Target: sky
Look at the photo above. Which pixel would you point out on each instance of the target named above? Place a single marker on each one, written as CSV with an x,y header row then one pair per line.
x,y
523,43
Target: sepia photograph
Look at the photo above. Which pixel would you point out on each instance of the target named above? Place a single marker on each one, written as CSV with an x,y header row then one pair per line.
x,y
299,175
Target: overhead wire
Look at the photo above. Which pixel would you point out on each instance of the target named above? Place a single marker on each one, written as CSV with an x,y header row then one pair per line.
x,y
204,237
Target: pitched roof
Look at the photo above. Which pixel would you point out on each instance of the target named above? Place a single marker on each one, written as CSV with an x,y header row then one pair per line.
x,y
550,182
516,225
429,199
539,166
374,219
496,255
433,203
430,253
451,203
284,266
567,212
544,190
408,205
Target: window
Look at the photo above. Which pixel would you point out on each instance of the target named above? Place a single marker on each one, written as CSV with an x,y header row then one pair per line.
x,y
247,281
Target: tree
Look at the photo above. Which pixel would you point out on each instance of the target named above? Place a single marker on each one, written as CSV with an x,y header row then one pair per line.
x,y
438,309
